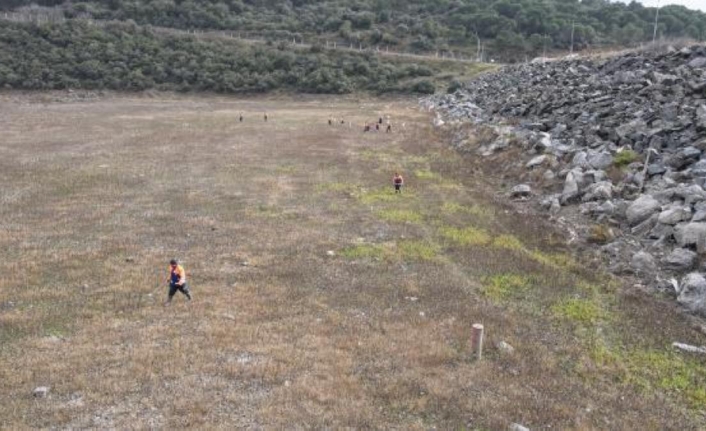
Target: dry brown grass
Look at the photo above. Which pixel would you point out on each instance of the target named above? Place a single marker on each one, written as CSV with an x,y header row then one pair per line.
x,y
97,196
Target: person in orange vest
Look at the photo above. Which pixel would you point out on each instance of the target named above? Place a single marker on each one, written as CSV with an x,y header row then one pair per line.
x,y
177,281
398,182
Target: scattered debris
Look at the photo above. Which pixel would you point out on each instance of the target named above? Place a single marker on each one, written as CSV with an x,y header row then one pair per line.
x,y
689,348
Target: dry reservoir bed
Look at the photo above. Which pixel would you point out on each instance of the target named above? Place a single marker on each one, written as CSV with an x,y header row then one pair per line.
x,y
321,298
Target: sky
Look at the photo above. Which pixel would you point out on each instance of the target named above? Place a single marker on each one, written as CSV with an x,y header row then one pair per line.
x,y
691,4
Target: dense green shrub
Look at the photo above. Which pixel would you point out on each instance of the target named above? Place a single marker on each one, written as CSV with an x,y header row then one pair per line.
x,y
124,56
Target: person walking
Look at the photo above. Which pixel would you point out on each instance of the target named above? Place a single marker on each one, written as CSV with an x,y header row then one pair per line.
x,y
241,117
398,182
177,281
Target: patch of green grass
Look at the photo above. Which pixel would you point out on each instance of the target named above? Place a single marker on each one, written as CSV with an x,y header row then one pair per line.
x,y
579,310
426,174
509,242
286,169
504,286
335,187
400,216
418,249
553,260
465,236
654,371
377,195
624,158
474,210
365,251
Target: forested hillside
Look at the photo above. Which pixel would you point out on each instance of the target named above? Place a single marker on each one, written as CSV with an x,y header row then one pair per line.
x,y
124,56
508,30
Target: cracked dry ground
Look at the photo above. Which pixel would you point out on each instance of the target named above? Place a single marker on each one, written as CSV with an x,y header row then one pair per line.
x,y
322,300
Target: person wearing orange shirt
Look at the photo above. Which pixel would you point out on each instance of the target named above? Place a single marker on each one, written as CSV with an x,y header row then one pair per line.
x,y
398,182
177,281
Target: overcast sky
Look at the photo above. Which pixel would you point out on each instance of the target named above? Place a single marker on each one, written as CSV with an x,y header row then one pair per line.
x,y
691,4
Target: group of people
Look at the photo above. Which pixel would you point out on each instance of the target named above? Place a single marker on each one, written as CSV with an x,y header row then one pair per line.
x,y
177,274
265,117
368,127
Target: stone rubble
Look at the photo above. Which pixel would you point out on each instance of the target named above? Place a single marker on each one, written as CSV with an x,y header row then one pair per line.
x,y
618,141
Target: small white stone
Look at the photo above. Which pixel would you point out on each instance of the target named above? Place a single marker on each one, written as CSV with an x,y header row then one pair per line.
x,y
40,392
330,253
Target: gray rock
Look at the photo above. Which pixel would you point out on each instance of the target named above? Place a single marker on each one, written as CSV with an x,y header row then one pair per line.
x,y
521,191
684,157
641,209
580,160
656,169
698,169
698,62
537,161
687,234
643,263
549,175
700,215
607,208
662,231
571,186
690,194
504,347
692,293
599,191
680,259
646,226
600,160
675,215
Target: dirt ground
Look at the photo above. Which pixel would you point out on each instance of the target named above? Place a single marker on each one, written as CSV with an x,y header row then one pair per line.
x,y
321,299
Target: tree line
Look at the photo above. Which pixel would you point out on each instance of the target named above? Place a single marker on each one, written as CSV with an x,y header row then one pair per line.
x,y
125,56
504,29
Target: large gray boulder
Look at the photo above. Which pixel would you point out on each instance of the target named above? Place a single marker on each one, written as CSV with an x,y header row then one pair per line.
x,y
521,191
600,191
692,293
680,259
674,215
643,263
641,209
600,160
690,234
572,186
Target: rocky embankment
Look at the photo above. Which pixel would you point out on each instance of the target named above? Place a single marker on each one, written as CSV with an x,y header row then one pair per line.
x,y
617,146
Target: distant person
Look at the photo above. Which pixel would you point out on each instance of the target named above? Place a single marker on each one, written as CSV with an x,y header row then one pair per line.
x,y
380,120
177,281
366,128
389,128
241,118
398,182
265,117
330,122
343,121
377,127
